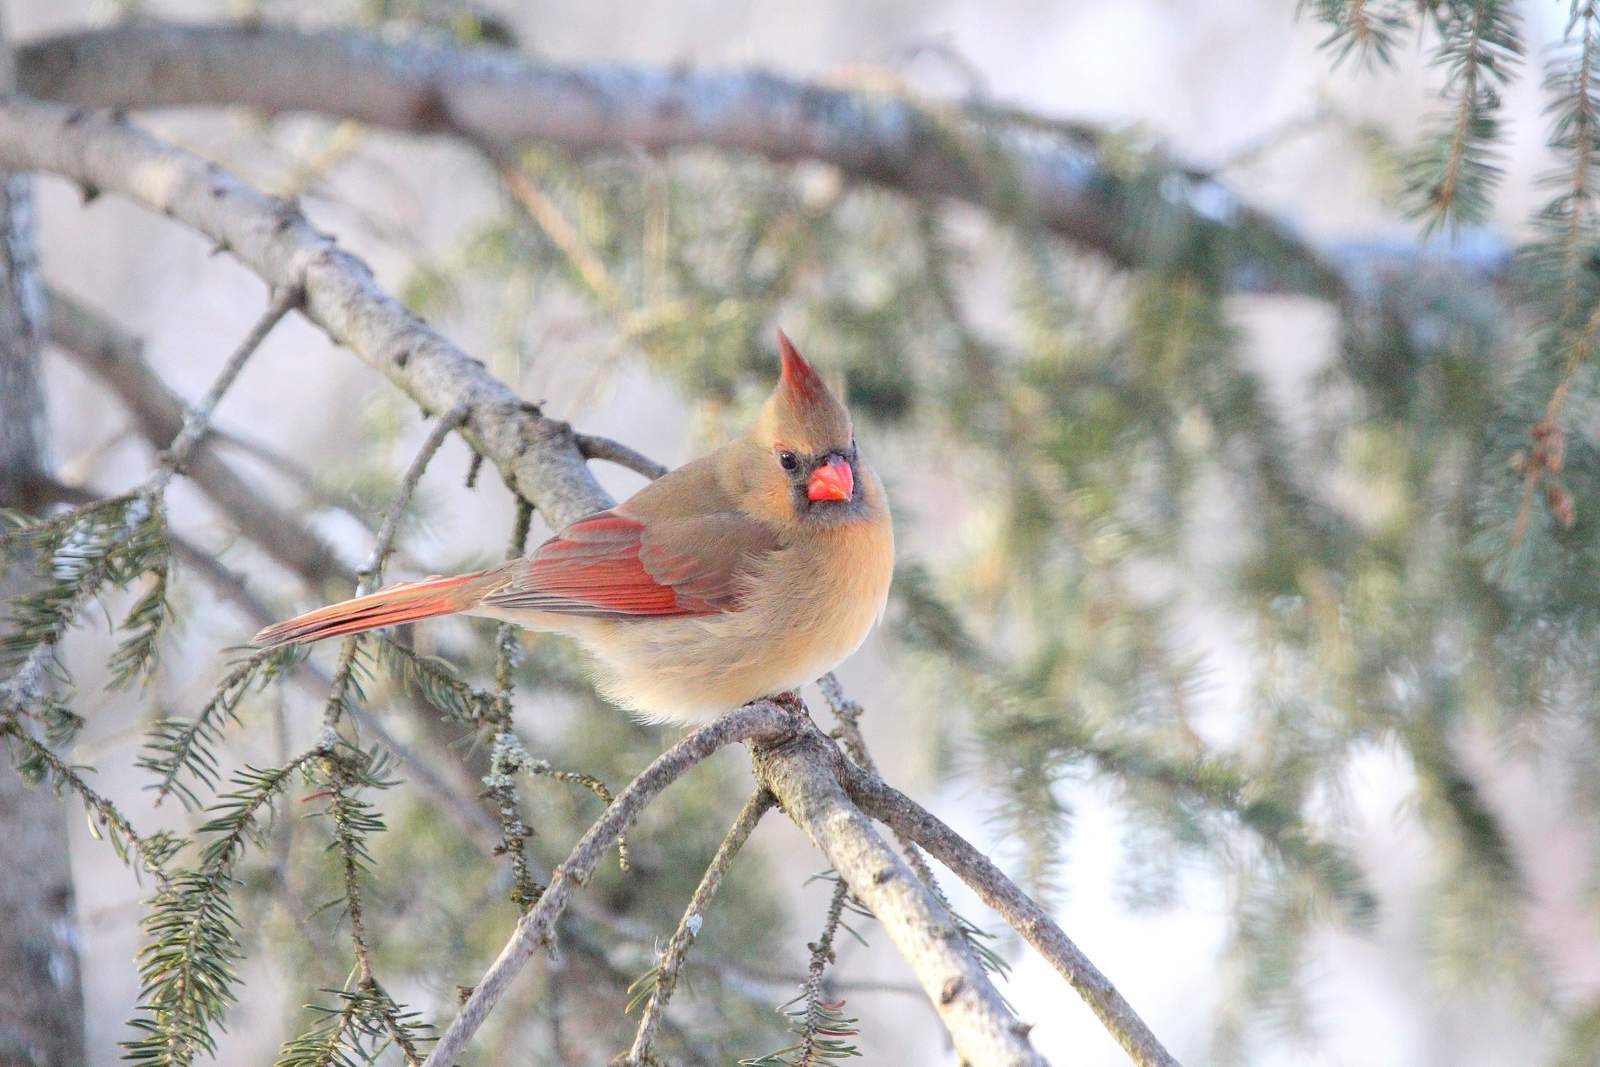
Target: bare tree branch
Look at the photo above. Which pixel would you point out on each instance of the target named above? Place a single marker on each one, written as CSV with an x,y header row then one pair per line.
x,y
848,714
804,774
537,455
616,452
197,423
763,720
689,926
898,811
1049,173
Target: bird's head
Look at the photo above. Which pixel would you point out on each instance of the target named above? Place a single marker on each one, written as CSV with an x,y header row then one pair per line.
x,y
807,442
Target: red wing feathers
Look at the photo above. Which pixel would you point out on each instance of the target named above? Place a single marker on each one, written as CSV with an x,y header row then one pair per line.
x,y
610,565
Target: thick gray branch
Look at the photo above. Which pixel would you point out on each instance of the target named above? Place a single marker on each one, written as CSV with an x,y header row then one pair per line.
x,y
893,808
537,455
804,774
1049,174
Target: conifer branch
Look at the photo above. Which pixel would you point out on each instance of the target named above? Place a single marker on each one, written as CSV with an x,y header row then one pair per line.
x,y
180,747
1366,29
821,1025
187,968
1568,224
110,542
888,805
436,683
754,721
660,983
343,773
37,760
1034,170
96,554
1453,174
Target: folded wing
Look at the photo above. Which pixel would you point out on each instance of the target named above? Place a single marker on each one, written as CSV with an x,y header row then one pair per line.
x,y
615,566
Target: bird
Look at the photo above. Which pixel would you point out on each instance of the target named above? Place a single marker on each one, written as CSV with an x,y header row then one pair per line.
x,y
746,573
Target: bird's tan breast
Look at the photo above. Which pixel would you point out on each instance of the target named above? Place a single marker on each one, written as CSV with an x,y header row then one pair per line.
x,y
804,606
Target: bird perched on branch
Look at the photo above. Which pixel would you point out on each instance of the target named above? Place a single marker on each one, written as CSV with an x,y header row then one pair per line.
x,y
744,574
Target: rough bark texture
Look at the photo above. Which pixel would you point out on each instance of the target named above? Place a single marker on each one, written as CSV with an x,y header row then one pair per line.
x,y
41,1001
1052,176
539,456
803,773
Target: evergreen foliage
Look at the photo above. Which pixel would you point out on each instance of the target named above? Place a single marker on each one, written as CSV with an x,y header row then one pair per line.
x,y
1404,565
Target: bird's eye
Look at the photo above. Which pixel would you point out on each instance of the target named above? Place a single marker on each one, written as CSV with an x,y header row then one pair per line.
x,y
788,461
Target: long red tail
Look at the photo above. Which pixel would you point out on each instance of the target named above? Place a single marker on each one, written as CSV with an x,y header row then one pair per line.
x,y
406,602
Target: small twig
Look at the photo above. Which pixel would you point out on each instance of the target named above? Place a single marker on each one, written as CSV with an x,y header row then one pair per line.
x,y
371,574
594,447
198,420
848,714
892,807
383,543
593,785
762,720
152,851
689,926
116,359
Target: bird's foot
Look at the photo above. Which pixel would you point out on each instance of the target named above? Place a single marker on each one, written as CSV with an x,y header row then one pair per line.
x,y
790,702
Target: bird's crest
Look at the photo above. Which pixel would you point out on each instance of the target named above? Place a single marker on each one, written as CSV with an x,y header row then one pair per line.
x,y
800,380
802,413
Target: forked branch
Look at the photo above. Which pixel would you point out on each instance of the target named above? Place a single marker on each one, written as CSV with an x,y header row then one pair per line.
x,y
763,720
904,815
804,773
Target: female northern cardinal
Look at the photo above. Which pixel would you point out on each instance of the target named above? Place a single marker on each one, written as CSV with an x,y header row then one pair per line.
x,y
743,574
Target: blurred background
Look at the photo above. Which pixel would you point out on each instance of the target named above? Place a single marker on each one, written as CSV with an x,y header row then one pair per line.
x,y
1222,619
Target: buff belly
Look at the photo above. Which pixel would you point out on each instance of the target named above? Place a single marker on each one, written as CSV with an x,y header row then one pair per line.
x,y
691,669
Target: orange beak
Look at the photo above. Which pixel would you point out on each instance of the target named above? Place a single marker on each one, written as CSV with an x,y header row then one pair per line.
x,y
833,480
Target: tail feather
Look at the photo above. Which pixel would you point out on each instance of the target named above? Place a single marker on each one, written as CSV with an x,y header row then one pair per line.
x,y
406,602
